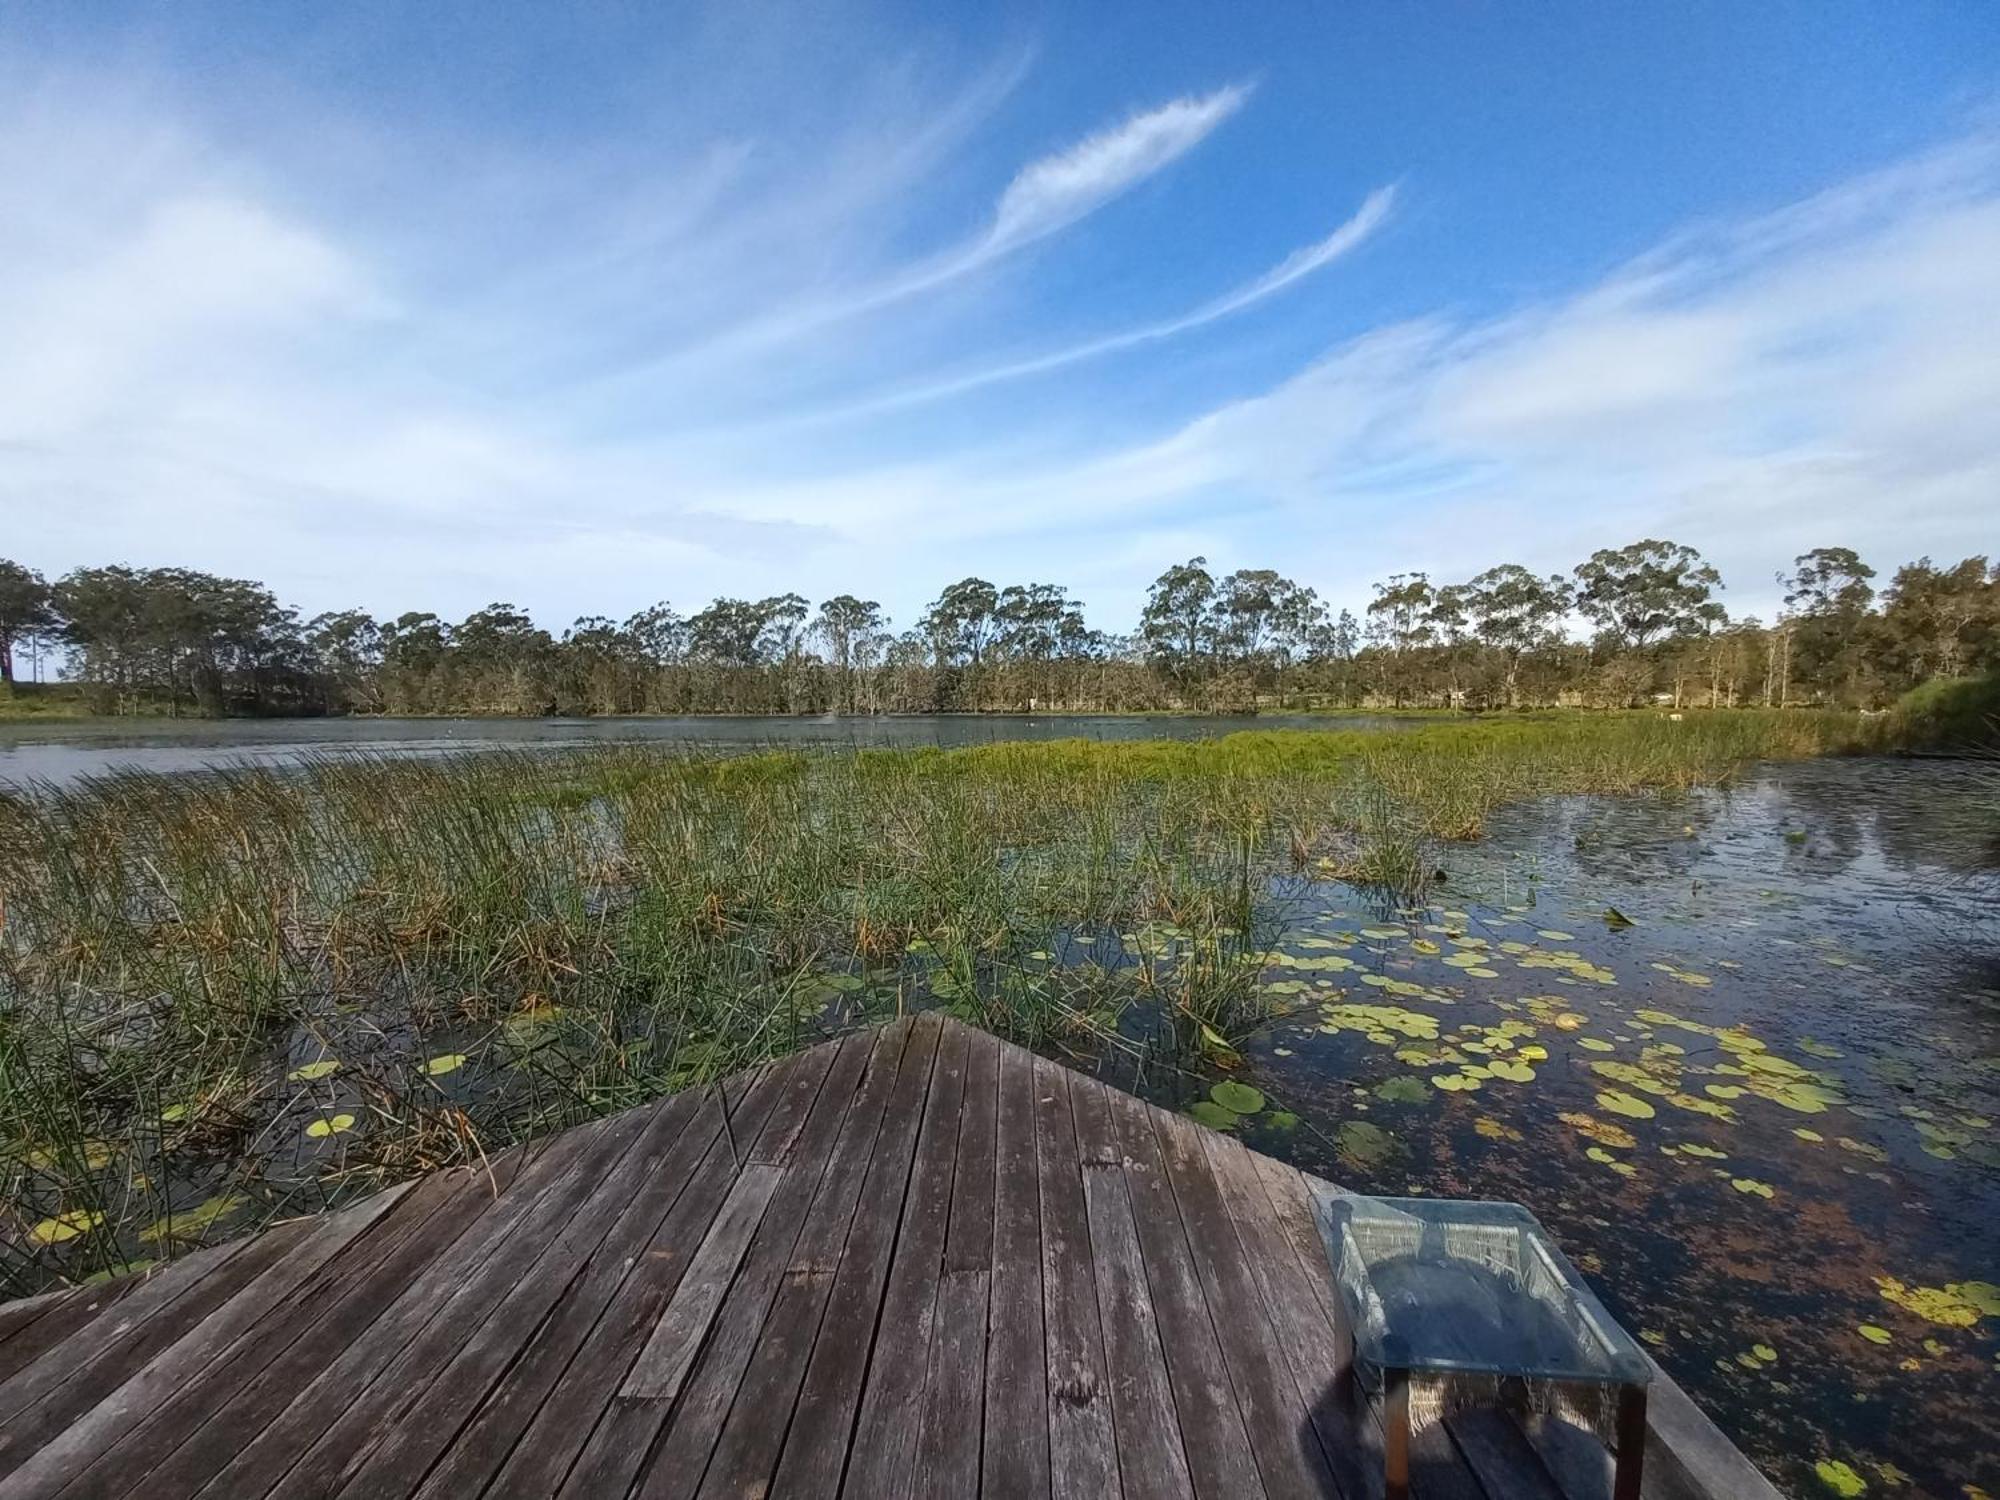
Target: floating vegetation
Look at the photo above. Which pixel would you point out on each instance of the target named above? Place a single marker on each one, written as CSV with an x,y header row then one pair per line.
x,y
65,1226
1958,1304
1838,1476
443,1063
328,1125
313,1071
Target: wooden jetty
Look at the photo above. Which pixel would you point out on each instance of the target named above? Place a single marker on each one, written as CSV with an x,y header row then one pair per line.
x,y
916,1261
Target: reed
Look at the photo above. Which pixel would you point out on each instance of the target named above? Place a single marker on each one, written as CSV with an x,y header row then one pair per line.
x,y
235,995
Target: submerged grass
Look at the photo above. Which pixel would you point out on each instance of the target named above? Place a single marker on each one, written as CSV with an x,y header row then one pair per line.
x,y
238,994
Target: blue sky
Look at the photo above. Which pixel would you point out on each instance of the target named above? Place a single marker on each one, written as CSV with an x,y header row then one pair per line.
x,y
582,307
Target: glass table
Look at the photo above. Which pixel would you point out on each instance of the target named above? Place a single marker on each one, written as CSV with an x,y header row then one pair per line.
x,y
1474,1303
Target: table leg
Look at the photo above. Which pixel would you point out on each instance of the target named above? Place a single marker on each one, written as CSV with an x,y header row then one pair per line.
x,y
1396,1435
1631,1442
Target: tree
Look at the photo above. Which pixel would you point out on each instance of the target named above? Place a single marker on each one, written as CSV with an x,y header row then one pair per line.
x,y
1651,589
347,648
1827,595
959,622
26,611
1399,622
1514,613
848,626
1178,623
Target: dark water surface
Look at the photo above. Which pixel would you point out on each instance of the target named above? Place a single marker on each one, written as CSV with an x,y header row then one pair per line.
x,y
1764,1117
63,751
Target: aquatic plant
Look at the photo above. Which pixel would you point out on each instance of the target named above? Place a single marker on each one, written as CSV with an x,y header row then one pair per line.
x,y
268,988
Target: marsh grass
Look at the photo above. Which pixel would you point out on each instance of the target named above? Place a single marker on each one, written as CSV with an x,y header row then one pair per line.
x,y
488,946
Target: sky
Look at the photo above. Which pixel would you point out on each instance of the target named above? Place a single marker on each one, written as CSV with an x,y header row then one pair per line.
x,y
582,307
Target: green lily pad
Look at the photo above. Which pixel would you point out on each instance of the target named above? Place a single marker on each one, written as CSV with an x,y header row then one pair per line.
x,y
1402,1090
1213,1115
1237,1098
1835,1475
314,1070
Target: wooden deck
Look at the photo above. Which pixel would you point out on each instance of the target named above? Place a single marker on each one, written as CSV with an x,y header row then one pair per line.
x,y
914,1262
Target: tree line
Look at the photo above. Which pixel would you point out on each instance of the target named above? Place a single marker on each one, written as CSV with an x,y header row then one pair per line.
x,y
1628,625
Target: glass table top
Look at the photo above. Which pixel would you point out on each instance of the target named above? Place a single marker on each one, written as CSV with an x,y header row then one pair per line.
x,y
1442,1285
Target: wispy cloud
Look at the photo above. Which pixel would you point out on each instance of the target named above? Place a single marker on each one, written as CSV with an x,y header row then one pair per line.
x,y
1056,191
1374,211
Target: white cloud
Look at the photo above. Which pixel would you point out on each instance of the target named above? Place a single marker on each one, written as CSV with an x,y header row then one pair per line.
x,y
1056,191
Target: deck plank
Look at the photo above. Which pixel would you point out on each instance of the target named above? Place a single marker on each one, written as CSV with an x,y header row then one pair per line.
x,y
575,1430
681,1458
1151,1457
911,1261
453,1287
90,1420
816,1447
1015,1456
630,1423
954,1396
885,1432
754,1429
1217,1444
1083,1451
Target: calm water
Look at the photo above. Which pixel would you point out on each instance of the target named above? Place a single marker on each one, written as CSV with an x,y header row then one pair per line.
x,y
63,752
1764,1117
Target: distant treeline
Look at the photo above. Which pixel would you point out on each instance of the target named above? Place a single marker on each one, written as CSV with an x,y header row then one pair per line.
x,y
180,641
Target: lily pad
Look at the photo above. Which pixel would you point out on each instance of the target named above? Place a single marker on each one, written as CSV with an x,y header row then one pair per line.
x,y
312,1071
65,1226
1237,1098
1402,1090
1874,1333
328,1125
1621,1103
1840,1478
444,1062
1213,1115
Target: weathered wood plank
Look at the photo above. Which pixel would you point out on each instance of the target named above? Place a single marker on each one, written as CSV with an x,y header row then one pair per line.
x,y
1275,1409
576,1438
669,1354
1015,1457
1083,1452
753,1430
1151,1459
953,1405
815,1451
1217,1445
1579,1463
207,1422
682,1456
457,1286
885,1434
478,1450
1500,1456
631,1424
394,1457
47,1396
53,1347
82,1432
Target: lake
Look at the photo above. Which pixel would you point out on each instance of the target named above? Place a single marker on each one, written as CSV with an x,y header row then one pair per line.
x,y
1762,1116
63,751
1739,1048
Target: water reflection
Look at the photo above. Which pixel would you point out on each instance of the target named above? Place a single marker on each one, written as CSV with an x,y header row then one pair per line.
x,y
1765,1117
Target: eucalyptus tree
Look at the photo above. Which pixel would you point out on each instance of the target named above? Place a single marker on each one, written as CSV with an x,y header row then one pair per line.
x,y
347,647
1942,622
849,629
1178,622
1827,595
959,623
1513,612
27,611
1639,594
1400,626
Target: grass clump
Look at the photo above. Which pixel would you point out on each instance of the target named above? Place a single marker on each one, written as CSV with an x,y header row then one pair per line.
x,y
242,993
